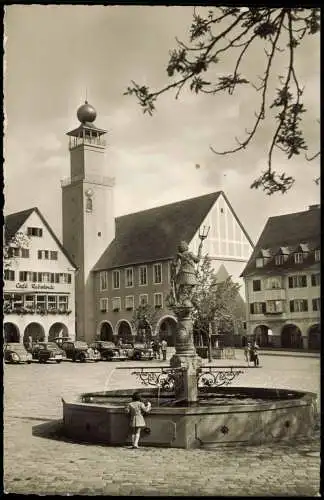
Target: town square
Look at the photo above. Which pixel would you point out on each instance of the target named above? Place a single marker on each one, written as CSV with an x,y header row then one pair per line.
x,y
162,302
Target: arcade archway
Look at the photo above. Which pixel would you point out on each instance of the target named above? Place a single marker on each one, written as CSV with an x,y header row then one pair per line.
x,y
124,332
291,337
261,335
35,332
57,330
314,337
167,330
11,332
106,332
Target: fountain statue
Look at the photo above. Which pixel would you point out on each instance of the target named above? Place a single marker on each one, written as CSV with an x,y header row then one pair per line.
x,y
192,403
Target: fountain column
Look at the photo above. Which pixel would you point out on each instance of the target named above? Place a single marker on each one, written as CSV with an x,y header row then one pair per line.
x,y
183,283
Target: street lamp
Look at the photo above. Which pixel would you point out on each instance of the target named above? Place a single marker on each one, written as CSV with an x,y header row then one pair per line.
x,y
203,232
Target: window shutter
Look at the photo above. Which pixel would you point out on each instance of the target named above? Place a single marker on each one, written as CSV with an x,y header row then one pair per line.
x,y
264,307
304,280
292,309
313,279
305,305
290,282
251,309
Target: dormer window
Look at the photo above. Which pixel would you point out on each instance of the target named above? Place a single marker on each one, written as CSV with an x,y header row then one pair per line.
x,y
299,258
317,255
259,262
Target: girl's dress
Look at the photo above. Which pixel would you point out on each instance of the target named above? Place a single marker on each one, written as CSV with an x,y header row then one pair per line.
x,y
136,410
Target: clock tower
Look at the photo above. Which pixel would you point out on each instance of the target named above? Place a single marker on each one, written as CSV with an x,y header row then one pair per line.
x,y
88,212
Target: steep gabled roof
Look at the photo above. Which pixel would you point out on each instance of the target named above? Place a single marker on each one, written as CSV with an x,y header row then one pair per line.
x,y
152,235
13,223
288,230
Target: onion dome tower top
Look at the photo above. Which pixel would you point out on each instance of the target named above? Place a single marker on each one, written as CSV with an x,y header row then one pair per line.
x,y
86,113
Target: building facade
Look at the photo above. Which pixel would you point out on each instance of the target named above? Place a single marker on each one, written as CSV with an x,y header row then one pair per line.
x,y
39,284
282,282
135,268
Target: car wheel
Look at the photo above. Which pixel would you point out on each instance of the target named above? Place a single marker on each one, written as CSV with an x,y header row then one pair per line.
x,y
28,362
73,359
82,358
137,356
58,361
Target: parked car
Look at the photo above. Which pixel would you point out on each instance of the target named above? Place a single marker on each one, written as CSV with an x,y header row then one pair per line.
x,y
129,350
16,353
59,340
109,351
47,351
77,350
142,351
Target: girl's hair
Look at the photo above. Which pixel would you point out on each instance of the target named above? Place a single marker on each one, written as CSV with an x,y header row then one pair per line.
x,y
136,396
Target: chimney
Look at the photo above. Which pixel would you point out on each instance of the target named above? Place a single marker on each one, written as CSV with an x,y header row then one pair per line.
x,y
313,207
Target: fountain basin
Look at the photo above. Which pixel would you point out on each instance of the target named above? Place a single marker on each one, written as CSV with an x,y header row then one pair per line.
x,y
223,416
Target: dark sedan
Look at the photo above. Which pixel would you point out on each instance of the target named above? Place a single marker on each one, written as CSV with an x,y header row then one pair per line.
x,y
47,351
80,351
109,351
142,352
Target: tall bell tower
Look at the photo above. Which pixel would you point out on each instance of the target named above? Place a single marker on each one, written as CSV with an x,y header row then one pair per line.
x,y
88,212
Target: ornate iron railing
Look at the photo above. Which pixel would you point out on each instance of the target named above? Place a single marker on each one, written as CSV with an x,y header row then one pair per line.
x,y
165,378
170,379
217,376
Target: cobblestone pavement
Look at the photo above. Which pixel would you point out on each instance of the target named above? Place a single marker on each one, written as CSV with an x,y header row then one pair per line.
x,y
38,461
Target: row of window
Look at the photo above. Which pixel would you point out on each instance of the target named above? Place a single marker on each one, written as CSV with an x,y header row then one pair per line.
x,y
278,306
129,304
129,277
36,277
298,258
35,231
297,281
47,301
24,253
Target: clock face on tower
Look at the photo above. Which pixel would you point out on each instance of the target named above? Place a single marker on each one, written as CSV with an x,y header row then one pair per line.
x,y
89,193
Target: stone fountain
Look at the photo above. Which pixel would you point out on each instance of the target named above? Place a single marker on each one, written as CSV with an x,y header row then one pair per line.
x,y
192,404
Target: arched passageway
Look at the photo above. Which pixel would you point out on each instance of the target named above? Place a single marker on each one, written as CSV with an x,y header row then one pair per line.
x,y
261,335
314,337
291,337
57,330
106,332
125,332
34,332
144,332
11,332
167,330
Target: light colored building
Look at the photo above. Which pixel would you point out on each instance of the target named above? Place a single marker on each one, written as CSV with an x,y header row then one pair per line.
x,y
39,297
125,261
282,282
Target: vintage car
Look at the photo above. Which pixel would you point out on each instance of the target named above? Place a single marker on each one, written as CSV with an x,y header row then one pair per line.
x,y
109,351
47,351
59,340
16,353
77,350
142,351
128,349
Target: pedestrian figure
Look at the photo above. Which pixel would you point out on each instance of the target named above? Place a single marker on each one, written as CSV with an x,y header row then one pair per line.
x,y
156,349
136,409
247,352
254,357
164,346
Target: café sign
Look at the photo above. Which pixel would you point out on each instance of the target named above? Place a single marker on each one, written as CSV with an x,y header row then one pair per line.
x,y
35,286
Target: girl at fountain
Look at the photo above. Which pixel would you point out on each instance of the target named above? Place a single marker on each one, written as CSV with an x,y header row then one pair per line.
x,y
136,409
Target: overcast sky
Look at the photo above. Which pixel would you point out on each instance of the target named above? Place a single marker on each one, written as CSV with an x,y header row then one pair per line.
x,y
54,53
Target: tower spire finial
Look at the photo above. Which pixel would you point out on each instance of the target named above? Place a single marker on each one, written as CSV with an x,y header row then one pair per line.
x,y
86,95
